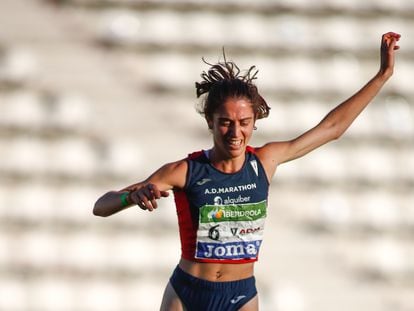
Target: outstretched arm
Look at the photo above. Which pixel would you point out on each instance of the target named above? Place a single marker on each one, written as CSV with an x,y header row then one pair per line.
x,y
144,194
337,121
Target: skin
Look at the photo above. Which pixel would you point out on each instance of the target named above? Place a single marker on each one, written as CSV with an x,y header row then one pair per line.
x,y
232,127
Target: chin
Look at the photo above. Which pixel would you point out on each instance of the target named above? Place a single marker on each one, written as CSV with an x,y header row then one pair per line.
x,y
237,152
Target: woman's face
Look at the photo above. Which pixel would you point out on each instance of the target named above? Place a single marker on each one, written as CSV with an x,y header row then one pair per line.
x,y
232,126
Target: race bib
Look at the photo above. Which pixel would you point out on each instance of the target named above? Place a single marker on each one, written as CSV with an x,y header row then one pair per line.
x,y
230,232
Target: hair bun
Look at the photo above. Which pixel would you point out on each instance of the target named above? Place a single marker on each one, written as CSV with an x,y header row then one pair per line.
x,y
222,71
224,80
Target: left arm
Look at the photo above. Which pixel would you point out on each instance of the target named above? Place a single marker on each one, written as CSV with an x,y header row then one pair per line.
x,y
337,121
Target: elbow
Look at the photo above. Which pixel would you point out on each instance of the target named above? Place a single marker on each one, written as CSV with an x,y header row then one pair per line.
x,y
333,127
335,131
106,205
336,134
97,211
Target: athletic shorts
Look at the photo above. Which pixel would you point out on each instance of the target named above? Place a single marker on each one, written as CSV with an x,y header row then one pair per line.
x,y
202,295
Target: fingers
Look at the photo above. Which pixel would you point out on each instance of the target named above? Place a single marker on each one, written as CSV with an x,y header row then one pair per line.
x,y
389,40
391,35
147,196
388,46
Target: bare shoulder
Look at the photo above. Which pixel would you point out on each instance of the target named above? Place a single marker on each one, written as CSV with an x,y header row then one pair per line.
x,y
177,167
271,155
171,175
273,151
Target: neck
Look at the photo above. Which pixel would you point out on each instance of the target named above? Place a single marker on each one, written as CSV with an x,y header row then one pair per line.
x,y
226,164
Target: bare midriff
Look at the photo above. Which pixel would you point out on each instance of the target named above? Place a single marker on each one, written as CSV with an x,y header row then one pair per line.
x,y
217,272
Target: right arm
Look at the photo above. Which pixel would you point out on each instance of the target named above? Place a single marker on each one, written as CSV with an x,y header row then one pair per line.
x,y
145,193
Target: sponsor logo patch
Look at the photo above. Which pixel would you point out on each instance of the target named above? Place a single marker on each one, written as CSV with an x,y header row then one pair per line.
x,y
234,250
203,181
237,299
245,212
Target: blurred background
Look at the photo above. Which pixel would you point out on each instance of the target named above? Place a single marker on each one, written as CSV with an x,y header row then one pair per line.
x,y
96,94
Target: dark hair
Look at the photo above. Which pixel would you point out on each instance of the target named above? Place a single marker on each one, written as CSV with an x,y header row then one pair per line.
x,y
224,80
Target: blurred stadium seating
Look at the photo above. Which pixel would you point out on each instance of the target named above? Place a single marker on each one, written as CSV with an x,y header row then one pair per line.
x,y
96,94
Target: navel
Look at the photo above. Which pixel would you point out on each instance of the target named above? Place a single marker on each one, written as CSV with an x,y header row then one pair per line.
x,y
219,274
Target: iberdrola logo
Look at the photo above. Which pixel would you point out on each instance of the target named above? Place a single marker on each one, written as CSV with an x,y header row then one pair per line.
x,y
216,214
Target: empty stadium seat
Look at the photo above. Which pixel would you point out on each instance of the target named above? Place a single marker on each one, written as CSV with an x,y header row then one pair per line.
x,y
144,294
97,295
288,297
73,157
18,65
74,204
123,157
25,155
35,250
379,211
31,203
385,258
25,110
85,251
119,27
14,295
52,293
70,112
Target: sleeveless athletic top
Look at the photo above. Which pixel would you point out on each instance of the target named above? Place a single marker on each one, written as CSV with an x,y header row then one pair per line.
x,y
221,216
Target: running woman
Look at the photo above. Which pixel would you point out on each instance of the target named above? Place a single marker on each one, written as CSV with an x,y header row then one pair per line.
x,y
221,193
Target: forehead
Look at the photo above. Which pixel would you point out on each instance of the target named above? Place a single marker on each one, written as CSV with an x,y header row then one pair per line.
x,y
235,108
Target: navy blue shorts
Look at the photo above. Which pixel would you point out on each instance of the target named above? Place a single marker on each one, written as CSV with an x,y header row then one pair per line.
x,y
199,295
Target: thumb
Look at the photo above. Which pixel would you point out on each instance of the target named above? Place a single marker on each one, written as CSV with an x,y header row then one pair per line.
x,y
392,44
164,194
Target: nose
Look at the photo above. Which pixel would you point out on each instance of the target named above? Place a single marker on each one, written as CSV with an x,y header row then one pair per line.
x,y
235,130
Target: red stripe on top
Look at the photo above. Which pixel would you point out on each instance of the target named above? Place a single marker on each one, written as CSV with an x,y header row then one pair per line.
x,y
195,155
187,226
251,149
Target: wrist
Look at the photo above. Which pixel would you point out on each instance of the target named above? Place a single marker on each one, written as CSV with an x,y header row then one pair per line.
x,y
384,75
125,199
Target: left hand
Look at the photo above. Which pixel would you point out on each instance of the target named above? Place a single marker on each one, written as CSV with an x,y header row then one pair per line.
x,y
146,196
388,46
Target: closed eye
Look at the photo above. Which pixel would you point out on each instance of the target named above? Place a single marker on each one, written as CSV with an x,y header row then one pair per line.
x,y
224,122
245,122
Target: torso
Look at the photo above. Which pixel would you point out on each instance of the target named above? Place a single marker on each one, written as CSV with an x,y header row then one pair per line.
x,y
232,244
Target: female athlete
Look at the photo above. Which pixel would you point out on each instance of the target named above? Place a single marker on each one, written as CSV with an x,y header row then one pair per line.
x,y
221,193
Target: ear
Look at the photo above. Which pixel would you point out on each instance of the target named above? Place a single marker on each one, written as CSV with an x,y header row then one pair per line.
x,y
209,123
254,122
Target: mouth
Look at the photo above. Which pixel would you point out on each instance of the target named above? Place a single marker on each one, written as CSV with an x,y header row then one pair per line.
x,y
234,143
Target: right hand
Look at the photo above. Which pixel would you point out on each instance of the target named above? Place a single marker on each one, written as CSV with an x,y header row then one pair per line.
x,y
146,197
